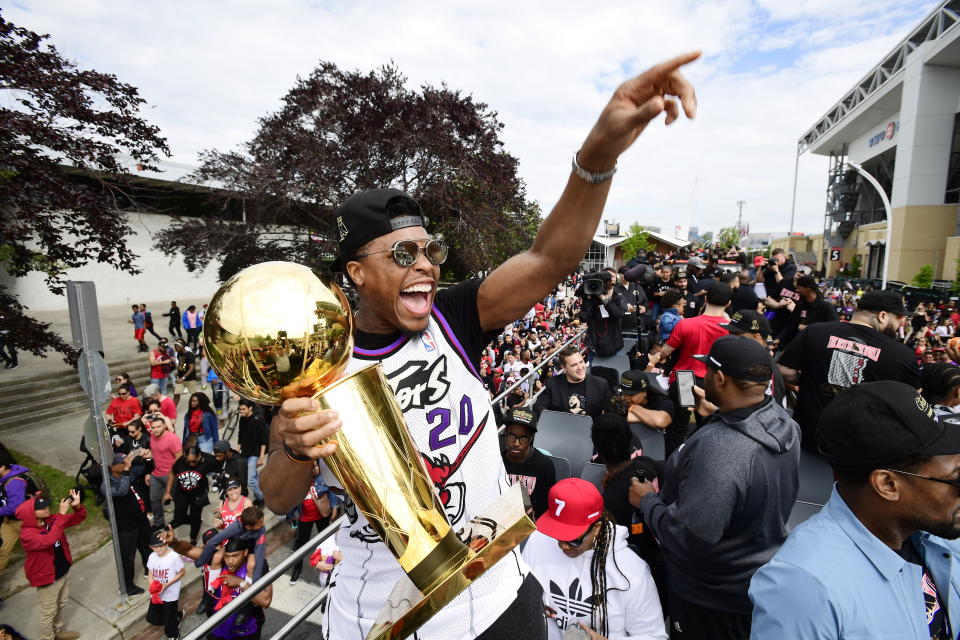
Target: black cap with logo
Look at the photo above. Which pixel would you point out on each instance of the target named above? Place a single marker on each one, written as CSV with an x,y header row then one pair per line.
x,y
889,301
882,422
747,321
735,357
523,417
633,381
370,214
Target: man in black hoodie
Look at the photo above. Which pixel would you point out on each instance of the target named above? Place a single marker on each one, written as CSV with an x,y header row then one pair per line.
x,y
130,508
727,494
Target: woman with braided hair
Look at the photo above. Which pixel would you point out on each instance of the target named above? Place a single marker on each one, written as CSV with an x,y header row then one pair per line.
x,y
940,384
592,580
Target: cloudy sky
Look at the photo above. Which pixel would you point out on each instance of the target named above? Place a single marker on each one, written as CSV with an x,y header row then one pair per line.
x,y
770,69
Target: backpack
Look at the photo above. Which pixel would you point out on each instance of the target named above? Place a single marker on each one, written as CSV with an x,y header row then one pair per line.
x,y
35,484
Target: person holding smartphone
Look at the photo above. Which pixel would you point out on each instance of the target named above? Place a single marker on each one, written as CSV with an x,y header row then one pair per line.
x,y
692,337
47,563
727,494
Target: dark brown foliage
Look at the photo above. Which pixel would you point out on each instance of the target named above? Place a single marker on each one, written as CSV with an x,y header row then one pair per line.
x,y
343,131
52,219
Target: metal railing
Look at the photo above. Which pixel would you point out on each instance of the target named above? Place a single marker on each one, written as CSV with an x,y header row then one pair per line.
x,y
297,555
546,361
265,581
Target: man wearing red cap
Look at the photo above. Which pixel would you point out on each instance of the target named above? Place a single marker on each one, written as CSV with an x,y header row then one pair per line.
x,y
430,344
594,580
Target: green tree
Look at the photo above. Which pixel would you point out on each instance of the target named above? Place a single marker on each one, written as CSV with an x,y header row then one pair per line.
x,y
924,277
729,237
637,241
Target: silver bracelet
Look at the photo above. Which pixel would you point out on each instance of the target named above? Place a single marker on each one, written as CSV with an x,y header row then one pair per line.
x,y
587,176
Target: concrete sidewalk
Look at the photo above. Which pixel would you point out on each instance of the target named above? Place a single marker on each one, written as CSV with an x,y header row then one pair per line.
x,y
95,609
118,342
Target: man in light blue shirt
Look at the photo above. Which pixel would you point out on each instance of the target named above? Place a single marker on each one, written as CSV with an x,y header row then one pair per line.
x,y
878,560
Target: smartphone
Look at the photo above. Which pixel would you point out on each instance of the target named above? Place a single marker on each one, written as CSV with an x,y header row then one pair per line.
x,y
685,382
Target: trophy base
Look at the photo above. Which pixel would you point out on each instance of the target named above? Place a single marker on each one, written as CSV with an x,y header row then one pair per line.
x,y
502,526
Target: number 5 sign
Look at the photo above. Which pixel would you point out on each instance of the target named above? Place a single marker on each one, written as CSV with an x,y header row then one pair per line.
x,y
835,253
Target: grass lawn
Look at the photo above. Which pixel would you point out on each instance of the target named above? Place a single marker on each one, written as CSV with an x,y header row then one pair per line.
x,y
59,485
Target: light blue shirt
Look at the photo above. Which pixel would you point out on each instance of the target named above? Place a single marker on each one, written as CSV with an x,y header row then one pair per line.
x,y
832,578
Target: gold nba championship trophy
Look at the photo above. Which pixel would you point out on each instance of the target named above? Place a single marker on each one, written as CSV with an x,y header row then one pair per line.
x,y
277,330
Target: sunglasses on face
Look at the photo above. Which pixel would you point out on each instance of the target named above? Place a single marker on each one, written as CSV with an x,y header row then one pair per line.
x,y
953,483
576,544
118,379
406,252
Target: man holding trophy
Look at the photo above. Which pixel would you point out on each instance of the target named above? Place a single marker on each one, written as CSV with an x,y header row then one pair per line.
x,y
469,581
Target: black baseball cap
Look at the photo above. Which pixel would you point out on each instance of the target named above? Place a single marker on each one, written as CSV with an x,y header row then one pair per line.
x,y
234,484
523,417
734,356
881,422
40,503
747,321
807,281
889,301
155,539
633,381
370,214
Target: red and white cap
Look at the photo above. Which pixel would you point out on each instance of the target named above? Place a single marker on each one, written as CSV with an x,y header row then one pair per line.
x,y
572,506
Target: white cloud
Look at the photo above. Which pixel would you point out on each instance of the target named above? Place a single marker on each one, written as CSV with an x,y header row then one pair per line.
x,y
771,68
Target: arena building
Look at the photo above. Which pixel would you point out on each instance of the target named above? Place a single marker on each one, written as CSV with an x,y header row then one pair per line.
x,y
901,123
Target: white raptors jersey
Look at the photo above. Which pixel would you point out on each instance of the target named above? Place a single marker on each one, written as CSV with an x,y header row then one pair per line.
x,y
449,415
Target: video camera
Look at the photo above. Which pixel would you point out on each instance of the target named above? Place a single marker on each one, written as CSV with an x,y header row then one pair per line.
x,y
644,273
595,284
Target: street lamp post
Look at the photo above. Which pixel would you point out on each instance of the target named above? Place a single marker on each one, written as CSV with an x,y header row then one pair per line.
x,y
886,205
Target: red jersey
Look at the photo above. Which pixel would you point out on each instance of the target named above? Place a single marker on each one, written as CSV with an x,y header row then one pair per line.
x,y
124,409
695,336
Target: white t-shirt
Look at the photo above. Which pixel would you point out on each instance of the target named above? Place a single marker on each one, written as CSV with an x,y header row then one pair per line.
x,y
449,415
164,569
633,606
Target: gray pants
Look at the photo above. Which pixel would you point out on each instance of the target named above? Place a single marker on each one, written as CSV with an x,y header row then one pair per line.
x,y
158,486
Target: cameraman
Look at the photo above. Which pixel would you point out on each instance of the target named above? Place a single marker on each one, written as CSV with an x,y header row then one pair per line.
x,y
777,276
603,306
637,283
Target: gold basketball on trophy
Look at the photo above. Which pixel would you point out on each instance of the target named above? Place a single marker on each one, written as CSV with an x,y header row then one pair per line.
x,y
277,330
276,326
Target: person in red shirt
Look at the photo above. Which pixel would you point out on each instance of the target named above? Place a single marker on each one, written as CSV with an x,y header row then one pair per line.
x,y
692,337
47,558
154,394
165,448
124,408
161,364
316,511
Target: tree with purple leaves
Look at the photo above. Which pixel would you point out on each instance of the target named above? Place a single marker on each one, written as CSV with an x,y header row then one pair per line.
x,y
66,137
339,132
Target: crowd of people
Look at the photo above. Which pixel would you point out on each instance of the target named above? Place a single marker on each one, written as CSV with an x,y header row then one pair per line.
x,y
170,472
743,370
780,360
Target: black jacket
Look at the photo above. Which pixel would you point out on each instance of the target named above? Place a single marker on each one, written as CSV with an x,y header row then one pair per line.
x,y
604,334
589,397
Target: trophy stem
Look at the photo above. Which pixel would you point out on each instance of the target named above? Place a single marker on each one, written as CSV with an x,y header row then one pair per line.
x,y
379,466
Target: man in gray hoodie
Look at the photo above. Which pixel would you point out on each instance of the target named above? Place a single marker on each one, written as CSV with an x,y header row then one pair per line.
x,y
727,494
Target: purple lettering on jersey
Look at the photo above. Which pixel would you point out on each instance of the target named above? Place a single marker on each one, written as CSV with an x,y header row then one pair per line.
x,y
439,419
466,415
